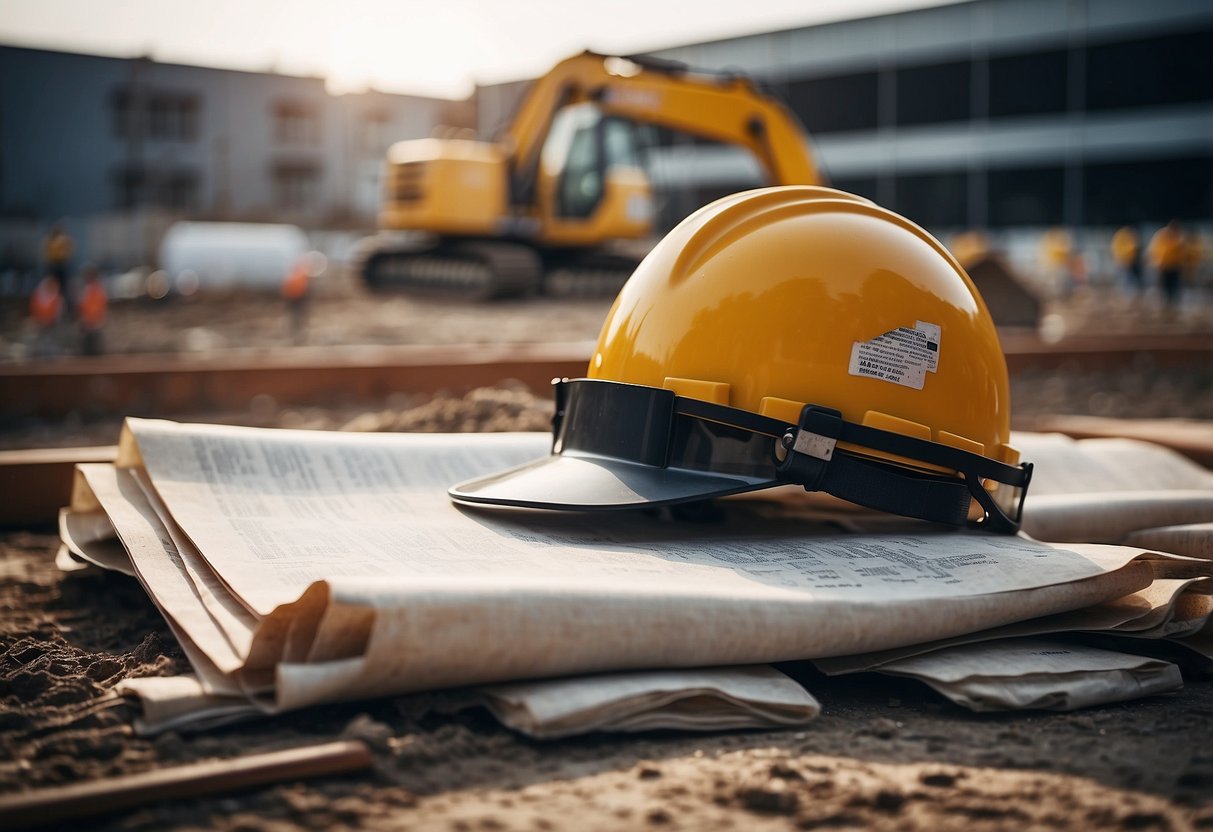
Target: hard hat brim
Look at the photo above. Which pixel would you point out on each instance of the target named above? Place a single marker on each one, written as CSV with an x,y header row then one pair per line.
x,y
589,483
619,446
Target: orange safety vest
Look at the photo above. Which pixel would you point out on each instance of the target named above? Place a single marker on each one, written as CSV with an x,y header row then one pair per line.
x,y
295,285
46,304
93,306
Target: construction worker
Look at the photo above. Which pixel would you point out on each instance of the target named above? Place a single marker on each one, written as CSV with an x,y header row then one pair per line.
x,y
91,311
57,252
46,310
294,292
1168,253
1126,253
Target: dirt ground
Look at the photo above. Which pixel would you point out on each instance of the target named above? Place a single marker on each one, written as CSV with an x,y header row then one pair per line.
x,y
885,754
250,322
344,314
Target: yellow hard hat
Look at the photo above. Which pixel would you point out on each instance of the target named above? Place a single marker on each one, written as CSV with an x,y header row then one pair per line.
x,y
787,335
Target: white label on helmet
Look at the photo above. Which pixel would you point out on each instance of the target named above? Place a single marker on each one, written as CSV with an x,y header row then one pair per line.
x,y
902,356
932,331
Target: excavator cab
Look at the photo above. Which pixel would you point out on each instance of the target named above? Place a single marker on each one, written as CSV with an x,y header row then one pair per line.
x,y
592,186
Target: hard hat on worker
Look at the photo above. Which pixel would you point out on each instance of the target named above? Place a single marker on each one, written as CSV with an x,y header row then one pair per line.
x,y
787,335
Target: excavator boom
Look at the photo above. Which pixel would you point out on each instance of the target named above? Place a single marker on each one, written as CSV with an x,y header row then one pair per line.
x,y
726,108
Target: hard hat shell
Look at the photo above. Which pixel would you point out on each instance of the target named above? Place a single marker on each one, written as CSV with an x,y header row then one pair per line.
x,y
767,331
758,300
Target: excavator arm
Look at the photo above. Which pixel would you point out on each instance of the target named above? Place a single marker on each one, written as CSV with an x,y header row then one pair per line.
x,y
725,108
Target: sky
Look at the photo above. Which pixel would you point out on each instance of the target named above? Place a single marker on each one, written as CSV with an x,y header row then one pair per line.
x,y
425,47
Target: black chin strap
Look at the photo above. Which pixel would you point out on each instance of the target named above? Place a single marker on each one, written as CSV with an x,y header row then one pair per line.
x,y
882,487
810,459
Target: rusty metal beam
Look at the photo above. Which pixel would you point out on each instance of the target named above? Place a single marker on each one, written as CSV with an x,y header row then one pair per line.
x,y
1027,351
172,385
37,482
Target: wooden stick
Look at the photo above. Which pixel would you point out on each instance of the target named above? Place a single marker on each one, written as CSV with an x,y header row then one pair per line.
x,y
99,797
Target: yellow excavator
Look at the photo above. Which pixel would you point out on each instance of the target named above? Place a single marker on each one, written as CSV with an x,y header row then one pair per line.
x,y
542,208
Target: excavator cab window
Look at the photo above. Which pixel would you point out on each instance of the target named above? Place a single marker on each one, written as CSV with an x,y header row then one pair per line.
x,y
582,148
580,186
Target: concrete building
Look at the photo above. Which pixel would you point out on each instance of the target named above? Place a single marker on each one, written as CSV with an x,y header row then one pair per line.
x,y
105,143
984,114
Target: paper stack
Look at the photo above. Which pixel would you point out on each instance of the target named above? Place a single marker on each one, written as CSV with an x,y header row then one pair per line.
x,y
303,567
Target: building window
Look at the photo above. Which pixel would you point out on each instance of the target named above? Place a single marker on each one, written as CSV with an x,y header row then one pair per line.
x,y
296,186
1026,196
179,191
150,187
1029,84
1173,69
125,119
841,102
1152,190
933,93
934,200
173,116
155,114
129,188
296,123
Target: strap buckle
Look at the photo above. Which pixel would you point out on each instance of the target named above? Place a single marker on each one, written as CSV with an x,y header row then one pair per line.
x,y
809,447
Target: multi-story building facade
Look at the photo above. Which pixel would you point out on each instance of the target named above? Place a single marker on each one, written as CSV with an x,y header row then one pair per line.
x,y
85,137
1001,113
83,134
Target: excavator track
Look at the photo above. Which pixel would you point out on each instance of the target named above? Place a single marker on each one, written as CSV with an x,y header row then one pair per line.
x,y
588,275
472,269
